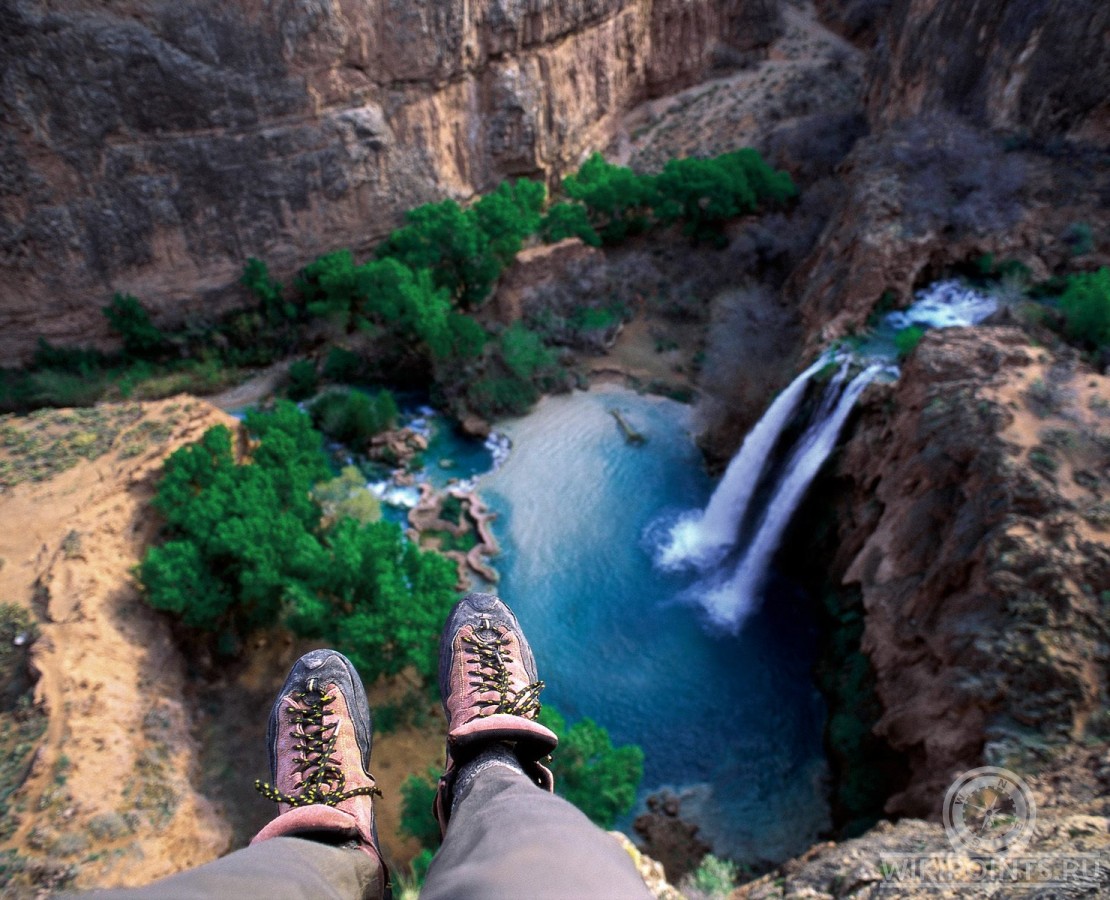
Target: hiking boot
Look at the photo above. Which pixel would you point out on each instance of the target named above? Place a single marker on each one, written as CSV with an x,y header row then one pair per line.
x,y
319,736
490,692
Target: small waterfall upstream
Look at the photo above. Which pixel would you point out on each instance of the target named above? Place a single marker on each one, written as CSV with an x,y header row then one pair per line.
x,y
731,544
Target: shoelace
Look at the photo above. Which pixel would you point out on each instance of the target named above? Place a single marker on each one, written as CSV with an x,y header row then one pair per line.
x,y
315,744
491,674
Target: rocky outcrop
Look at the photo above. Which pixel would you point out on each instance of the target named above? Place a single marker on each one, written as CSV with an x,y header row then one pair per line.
x,y
978,533
1037,67
895,860
936,194
151,148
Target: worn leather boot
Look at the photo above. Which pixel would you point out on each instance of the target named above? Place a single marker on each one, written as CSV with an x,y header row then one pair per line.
x,y
490,693
320,736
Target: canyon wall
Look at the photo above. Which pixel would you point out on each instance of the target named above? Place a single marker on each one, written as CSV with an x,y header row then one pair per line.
x,y
931,187
1038,67
976,529
151,147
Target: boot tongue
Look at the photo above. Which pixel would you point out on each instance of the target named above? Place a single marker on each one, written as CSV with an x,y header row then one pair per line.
x,y
485,632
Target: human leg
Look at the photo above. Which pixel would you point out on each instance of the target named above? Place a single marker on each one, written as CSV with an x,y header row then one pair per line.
x,y
284,868
323,842
505,833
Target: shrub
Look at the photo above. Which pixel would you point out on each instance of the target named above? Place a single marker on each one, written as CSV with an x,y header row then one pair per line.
x,y
907,339
714,877
524,353
1086,307
499,395
417,822
353,417
342,365
598,778
302,380
141,340
256,279
565,220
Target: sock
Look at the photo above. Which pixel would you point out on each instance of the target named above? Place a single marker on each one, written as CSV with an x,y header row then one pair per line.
x,y
495,755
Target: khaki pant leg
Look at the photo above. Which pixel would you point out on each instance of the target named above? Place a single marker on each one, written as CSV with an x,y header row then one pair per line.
x,y
284,868
510,840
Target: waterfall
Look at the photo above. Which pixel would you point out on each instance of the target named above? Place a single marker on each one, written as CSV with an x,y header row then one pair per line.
x,y
702,539
728,604
711,542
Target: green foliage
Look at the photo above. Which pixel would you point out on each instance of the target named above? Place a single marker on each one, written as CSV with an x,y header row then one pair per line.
x,y
352,416
334,288
417,794
598,778
347,496
617,198
565,220
247,547
141,340
409,303
302,380
705,193
906,340
342,364
714,877
524,353
508,215
448,242
268,292
1086,307
500,395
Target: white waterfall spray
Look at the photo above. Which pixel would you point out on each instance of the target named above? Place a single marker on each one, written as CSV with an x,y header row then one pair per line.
x,y
734,574
701,540
728,604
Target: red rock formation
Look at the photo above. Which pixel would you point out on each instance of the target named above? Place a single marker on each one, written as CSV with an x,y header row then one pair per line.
x,y
979,536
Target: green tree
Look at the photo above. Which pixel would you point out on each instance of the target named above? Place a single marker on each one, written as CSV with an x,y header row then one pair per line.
x,y
247,547
705,193
353,417
598,778
1086,307
269,293
334,288
509,214
449,243
141,340
616,198
565,220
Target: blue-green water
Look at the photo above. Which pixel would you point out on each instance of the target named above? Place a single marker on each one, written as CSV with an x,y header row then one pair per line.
x,y
731,723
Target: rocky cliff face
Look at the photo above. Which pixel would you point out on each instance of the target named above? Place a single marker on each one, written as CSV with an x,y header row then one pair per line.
x,y
978,531
1039,67
152,147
